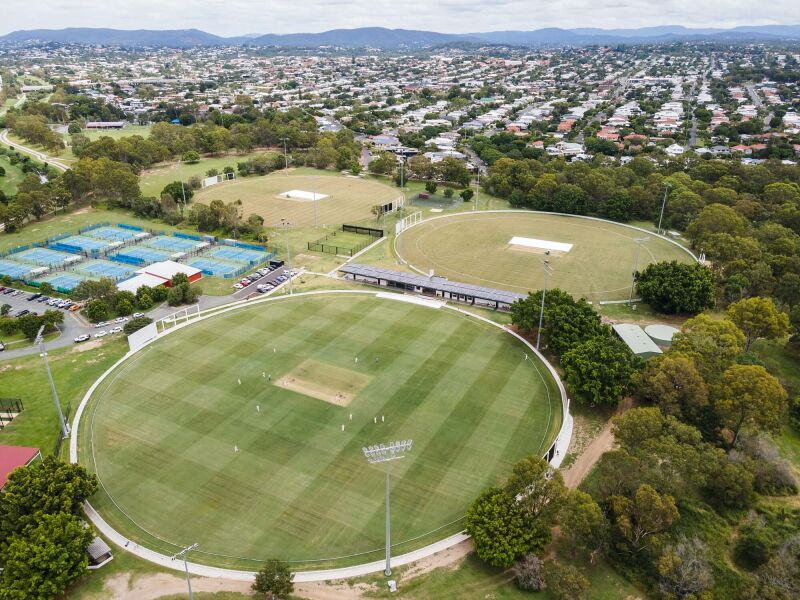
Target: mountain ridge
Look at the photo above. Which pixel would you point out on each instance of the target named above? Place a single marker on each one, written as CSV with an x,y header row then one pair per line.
x,y
385,38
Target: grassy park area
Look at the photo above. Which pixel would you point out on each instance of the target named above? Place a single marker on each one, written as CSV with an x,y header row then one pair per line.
x,y
190,452
12,178
476,248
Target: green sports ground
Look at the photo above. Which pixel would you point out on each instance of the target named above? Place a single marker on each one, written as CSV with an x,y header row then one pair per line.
x,y
474,248
162,431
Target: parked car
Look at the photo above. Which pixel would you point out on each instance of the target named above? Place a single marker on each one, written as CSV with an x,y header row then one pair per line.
x,y
82,338
137,315
8,290
33,297
43,299
16,293
117,329
100,334
238,286
21,313
121,320
101,324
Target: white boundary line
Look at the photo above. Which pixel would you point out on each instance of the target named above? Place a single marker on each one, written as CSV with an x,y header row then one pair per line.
x,y
561,443
529,212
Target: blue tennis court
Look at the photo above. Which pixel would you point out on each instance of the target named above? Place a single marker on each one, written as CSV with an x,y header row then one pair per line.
x,y
140,255
104,268
64,281
237,254
82,243
212,266
45,257
111,233
175,244
14,269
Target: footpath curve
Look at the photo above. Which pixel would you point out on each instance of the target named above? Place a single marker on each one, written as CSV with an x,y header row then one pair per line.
x,y
561,445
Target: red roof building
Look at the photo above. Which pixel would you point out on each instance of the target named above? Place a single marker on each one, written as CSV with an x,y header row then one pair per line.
x,y
12,457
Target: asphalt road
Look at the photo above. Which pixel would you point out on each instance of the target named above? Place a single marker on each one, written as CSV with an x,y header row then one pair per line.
x,y
55,162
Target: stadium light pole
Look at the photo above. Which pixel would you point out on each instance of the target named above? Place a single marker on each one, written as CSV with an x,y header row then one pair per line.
x,y
387,453
285,155
477,190
182,554
43,353
663,205
547,270
286,224
639,242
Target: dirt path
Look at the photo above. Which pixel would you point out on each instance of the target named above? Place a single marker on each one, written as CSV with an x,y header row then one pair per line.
x,y
604,441
150,587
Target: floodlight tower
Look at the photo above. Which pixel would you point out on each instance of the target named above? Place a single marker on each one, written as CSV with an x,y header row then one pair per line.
x,y
663,205
286,225
182,554
547,271
477,190
43,353
387,453
639,242
285,154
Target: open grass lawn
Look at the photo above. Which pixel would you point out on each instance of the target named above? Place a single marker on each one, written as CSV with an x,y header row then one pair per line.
x,y
12,178
348,199
74,370
127,131
162,432
474,248
153,180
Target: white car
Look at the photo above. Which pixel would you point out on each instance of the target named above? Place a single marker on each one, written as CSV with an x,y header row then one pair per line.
x,y
115,330
100,334
238,286
121,320
138,315
82,338
101,324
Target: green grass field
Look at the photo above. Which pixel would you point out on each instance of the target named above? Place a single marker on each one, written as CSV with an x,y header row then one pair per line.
x,y
153,180
161,431
474,248
349,199
12,178
127,131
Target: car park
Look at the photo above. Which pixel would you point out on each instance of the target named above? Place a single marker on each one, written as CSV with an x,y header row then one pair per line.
x,y
82,338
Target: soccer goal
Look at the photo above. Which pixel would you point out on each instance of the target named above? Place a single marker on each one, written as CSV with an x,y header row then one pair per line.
x,y
215,179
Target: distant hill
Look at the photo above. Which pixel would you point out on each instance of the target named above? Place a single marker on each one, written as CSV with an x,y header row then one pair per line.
x,y
381,37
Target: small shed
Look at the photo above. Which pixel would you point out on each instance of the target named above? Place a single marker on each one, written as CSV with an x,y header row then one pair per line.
x,y
637,340
99,553
661,334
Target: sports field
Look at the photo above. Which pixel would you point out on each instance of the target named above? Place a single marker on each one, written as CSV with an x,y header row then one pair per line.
x,y
349,199
475,248
162,433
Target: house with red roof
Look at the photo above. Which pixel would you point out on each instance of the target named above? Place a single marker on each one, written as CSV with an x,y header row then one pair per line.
x,y
12,457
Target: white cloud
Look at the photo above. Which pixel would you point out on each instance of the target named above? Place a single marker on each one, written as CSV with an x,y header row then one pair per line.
x,y
234,17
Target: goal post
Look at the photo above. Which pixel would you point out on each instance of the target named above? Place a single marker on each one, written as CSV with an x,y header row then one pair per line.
x,y
407,222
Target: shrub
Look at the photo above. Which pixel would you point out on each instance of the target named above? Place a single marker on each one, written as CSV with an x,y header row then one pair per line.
x,y
136,324
274,580
96,310
528,573
565,582
124,308
191,157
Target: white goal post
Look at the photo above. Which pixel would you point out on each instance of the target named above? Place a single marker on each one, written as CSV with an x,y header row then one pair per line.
x,y
407,222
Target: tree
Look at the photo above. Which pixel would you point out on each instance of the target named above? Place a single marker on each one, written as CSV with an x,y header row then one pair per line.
x,y
274,580
645,515
528,573
448,192
715,218
191,157
582,522
499,529
430,187
175,296
683,569
728,484
96,311
136,324
749,396
712,344
674,384
46,288
178,191
781,575
673,287
598,370
5,309
565,582
537,487
618,474
41,561
758,318
466,194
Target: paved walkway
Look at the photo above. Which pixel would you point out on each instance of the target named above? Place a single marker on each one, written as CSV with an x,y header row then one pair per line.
x,y
41,156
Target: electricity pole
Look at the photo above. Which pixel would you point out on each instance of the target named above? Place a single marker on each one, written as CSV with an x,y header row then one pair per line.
x,y
477,190
383,453
663,205
286,224
43,353
639,242
285,154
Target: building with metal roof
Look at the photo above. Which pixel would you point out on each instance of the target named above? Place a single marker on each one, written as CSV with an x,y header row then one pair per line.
x,y
440,287
637,340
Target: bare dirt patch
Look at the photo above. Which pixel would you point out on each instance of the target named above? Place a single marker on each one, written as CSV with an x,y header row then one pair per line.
x,y
325,382
90,345
151,587
333,590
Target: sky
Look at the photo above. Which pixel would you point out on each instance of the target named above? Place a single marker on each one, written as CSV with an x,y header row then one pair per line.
x,y
240,17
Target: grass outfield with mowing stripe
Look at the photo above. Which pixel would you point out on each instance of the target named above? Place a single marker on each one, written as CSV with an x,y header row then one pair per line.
x,y
474,248
349,199
164,426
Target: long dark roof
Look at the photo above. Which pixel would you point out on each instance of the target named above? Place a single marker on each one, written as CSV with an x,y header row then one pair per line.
x,y
437,283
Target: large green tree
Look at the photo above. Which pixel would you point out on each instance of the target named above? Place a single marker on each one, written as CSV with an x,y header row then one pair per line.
x,y
713,344
598,371
673,287
637,520
758,318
